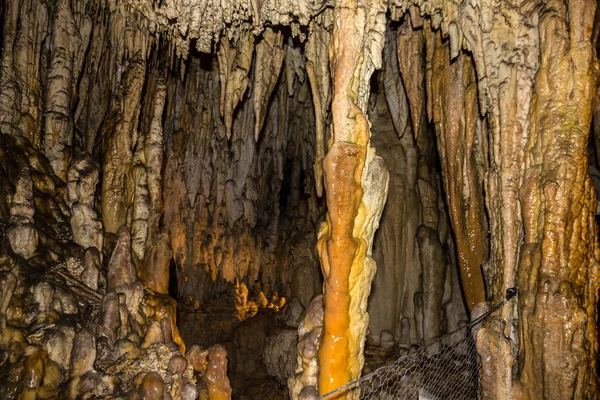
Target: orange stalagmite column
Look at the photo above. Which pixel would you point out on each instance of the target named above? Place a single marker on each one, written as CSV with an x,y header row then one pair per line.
x,y
356,183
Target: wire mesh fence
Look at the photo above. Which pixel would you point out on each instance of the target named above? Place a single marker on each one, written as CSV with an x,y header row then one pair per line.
x,y
445,369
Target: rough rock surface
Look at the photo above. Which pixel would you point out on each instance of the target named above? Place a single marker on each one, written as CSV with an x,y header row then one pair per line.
x,y
280,354
69,326
304,382
415,205
129,174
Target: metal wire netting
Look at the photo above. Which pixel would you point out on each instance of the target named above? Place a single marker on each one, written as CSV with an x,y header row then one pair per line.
x,y
445,369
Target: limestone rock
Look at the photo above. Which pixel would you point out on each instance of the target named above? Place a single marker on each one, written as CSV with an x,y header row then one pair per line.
x,y
386,339
303,383
82,179
155,273
216,374
280,354
22,234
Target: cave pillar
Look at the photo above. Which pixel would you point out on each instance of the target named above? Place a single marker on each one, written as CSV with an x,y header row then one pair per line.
x,y
558,269
356,183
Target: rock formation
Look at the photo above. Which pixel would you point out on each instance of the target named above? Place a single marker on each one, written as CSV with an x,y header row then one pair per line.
x,y
193,191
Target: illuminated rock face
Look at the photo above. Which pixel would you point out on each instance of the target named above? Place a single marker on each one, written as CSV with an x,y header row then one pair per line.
x,y
356,184
162,156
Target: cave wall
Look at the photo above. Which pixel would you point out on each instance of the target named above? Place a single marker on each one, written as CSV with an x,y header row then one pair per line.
x,y
131,107
119,161
224,199
416,291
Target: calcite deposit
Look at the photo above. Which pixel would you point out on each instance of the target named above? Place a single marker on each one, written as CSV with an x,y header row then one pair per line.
x,y
238,199
71,326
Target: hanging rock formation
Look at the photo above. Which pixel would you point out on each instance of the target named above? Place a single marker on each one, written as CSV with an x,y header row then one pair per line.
x,y
164,163
317,69
560,243
414,211
269,59
454,91
22,234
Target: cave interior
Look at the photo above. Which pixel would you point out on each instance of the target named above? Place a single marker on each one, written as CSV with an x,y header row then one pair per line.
x,y
268,200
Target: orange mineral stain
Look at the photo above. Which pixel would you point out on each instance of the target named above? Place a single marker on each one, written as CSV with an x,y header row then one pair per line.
x,y
337,249
354,209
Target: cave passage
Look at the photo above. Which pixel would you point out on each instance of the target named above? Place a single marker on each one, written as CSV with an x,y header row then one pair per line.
x,y
269,200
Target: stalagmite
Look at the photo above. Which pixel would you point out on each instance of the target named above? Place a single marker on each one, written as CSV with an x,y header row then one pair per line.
x,y
152,387
216,374
83,354
155,272
162,170
304,383
414,203
154,334
8,281
434,274
122,276
356,182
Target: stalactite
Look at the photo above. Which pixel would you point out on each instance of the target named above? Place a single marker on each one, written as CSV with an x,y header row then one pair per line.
x,y
395,93
356,182
223,198
398,266
415,204
234,66
317,69
25,27
192,205
82,179
411,61
22,234
58,119
139,211
100,75
269,59
459,131
117,182
506,62
203,21
153,158
596,124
